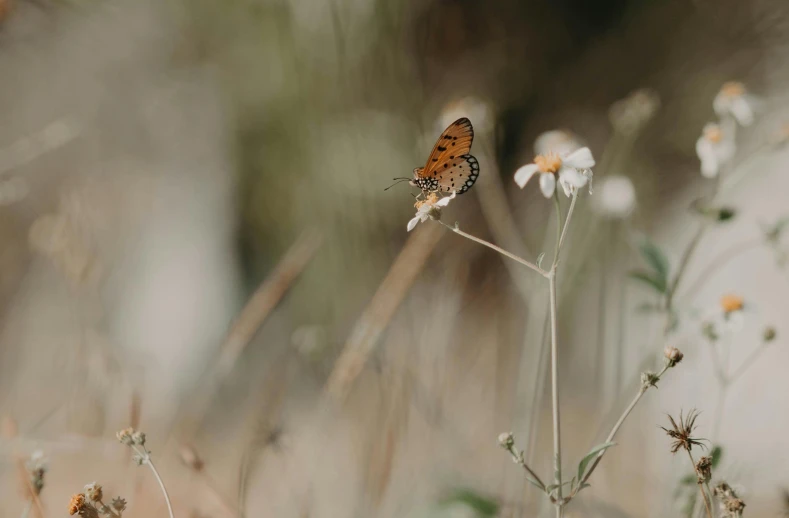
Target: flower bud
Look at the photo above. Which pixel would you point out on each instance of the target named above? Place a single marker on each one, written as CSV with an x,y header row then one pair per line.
x,y
769,334
673,355
506,440
125,436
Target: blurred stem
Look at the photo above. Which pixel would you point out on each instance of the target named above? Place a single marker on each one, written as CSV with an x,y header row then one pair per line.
x,y
720,261
145,455
503,252
641,391
701,487
26,510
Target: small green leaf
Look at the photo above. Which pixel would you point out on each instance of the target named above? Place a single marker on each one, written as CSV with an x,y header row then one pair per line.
x,y
716,454
589,456
654,257
651,279
726,214
483,506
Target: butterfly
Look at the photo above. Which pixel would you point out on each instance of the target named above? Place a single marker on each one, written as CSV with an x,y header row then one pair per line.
x,y
450,167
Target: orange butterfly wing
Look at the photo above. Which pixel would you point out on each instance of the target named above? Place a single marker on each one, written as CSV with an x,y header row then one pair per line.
x,y
450,167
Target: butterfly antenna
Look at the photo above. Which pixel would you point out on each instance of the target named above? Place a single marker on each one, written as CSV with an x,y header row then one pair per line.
x,y
398,180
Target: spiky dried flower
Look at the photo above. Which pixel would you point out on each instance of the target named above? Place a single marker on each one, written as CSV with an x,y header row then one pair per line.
x,y
704,469
682,433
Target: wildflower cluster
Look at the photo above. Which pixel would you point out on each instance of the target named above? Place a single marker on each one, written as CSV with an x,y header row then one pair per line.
x,y
89,503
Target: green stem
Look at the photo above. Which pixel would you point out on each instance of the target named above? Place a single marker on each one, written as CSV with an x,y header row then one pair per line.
x,y
145,455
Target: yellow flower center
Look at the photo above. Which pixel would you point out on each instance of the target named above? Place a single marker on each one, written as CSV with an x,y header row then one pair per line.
x,y
431,199
713,133
548,163
733,89
731,303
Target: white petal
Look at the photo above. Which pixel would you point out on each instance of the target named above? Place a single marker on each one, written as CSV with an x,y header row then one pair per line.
x,y
580,159
412,223
524,174
547,184
708,157
572,177
443,202
568,189
721,104
742,111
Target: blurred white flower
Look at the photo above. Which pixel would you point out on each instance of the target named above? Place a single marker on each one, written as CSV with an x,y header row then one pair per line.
x,y
616,197
733,100
573,171
429,208
725,317
478,111
630,114
715,148
562,142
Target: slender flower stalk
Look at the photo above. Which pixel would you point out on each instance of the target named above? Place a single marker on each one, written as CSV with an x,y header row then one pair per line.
x,y
704,496
503,252
136,440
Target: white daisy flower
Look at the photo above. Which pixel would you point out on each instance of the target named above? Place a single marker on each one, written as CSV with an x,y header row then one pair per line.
x,y
733,100
725,317
573,171
615,197
563,142
715,148
429,208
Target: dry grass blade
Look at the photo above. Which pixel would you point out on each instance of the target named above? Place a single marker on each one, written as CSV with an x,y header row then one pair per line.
x,y
379,312
252,316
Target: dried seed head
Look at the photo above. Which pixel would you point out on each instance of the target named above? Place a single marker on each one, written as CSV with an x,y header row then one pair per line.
x,y
125,436
704,469
734,506
506,440
138,438
769,334
77,504
673,355
93,492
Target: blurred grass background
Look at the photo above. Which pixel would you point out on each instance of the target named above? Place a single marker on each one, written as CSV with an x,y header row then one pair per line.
x,y
163,162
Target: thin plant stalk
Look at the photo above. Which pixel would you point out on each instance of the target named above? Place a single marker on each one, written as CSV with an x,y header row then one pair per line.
x,y
612,435
26,510
701,487
503,252
146,458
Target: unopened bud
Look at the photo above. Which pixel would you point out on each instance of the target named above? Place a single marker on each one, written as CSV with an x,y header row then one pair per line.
x,y
673,355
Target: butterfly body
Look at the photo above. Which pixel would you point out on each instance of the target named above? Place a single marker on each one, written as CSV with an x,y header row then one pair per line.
x,y
450,167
